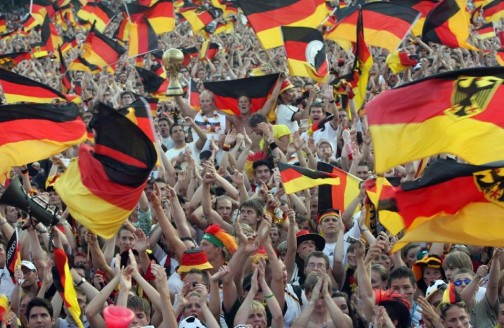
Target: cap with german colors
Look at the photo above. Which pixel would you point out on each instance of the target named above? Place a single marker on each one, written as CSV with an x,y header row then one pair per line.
x,y
193,259
327,213
219,238
286,85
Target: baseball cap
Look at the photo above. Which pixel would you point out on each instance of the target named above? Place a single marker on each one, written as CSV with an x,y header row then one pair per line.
x,y
28,265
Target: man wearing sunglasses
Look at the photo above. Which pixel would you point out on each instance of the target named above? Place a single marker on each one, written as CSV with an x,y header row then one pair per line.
x,y
484,312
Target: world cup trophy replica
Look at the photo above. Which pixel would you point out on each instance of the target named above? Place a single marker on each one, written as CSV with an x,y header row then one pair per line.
x,y
172,60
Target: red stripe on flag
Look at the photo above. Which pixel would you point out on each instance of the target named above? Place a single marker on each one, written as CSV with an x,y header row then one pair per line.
x,y
117,155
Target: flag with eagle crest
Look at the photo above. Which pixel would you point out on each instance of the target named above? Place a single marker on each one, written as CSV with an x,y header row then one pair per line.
x,y
306,52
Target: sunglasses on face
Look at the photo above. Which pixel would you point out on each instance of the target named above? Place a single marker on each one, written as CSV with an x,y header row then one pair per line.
x,y
459,282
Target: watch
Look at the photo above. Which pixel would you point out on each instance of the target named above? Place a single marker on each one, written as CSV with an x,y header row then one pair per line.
x,y
83,280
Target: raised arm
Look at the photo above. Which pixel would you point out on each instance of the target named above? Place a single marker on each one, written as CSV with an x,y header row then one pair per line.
x,y
185,108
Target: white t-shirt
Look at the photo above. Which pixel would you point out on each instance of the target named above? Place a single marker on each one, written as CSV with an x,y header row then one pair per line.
x,y
284,115
6,284
328,133
174,152
352,232
213,127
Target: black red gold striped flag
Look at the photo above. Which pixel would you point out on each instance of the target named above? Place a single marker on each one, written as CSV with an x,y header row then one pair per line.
x,y
13,255
219,4
499,56
493,11
385,24
66,79
42,9
429,210
102,187
152,83
139,113
194,94
3,24
161,17
266,17
96,13
399,61
64,283
423,7
461,116
297,178
226,93
51,130
188,54
359,77
486,31
17,88
142,38
306,52
448,24
29,23
147,3
50,39
208,50
8,61
81,64
100,50
338,196
198,18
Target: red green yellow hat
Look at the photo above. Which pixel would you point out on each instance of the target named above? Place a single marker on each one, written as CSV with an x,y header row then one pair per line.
x,y
286,85
193,259
218,237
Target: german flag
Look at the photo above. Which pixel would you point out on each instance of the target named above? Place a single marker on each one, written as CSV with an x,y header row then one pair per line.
x,y
486,31
51,130
66,79
399,61
64,283
429,209
340,195
153,105
197,18
42,9
208,50
231,9
194,94
138,112
266,17
29,23
161,17
152,83
102,187
359,77
219,4
224,27
147,3
81,64
226,93
142,38
122,32
96,13
499,56
297,178
4,306
423,7
306,52
17,88
493,11
385,24
13,255
448,24
3,24
50,38
100,50
188,54
462,118
8,61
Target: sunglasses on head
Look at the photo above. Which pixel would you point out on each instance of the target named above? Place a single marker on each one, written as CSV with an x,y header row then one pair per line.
x,y
459,282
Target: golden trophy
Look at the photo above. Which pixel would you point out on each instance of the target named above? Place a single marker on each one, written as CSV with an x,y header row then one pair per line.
x,y
172,60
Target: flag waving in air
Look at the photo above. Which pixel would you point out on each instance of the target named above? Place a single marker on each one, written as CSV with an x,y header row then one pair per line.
x,y
297,178
463,117
306,52
266,17
102,187
444,205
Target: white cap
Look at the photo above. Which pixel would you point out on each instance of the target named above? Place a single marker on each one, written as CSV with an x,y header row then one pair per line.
x,y
29,265
434,287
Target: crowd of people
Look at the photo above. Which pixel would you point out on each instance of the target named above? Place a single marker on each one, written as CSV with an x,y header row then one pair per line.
x,y
215,241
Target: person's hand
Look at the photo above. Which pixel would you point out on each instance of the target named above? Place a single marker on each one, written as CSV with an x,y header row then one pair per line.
x,y
230,138
246,138
125,280
291,216
19,276
262,191
160,276
209,178
188,121
325,286
254,287
429,314
282,77
264,228
261,276
482,271
266,131
237,178
222,274
202,291
360,250
382,319
91,238
155,196
141,242
133,263
317,290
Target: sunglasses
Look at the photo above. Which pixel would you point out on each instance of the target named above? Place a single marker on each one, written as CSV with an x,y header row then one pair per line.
x,y
459,282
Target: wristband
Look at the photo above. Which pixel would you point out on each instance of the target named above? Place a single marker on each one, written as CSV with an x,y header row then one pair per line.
x,y
226,147
269,296
273,146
